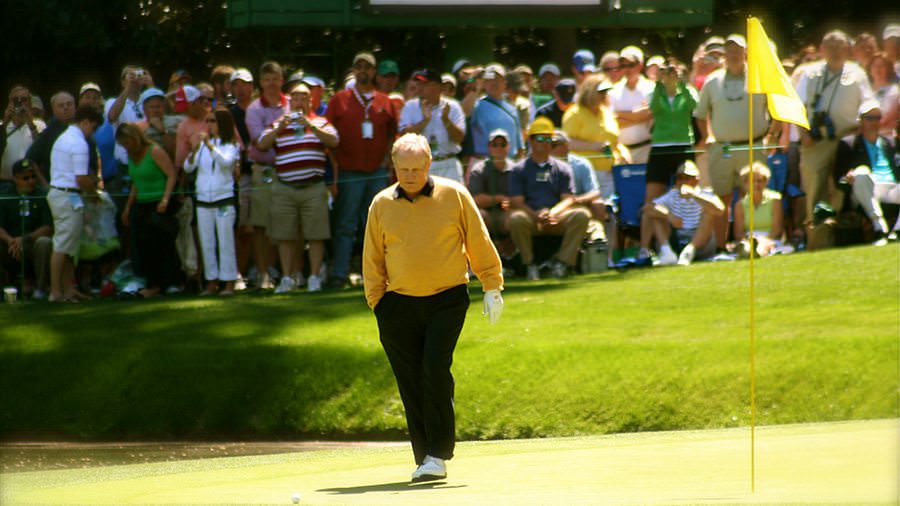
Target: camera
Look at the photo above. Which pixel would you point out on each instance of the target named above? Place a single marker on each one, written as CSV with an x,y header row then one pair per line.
x,y
140,73
295,116
19,104
821,119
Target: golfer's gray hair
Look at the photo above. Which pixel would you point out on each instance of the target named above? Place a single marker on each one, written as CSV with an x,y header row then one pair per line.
x,y
411,143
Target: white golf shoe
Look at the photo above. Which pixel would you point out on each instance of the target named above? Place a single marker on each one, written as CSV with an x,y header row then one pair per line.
x,y
432,468
286,285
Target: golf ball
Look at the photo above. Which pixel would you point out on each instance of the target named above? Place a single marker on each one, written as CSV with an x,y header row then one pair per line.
x,y
295,498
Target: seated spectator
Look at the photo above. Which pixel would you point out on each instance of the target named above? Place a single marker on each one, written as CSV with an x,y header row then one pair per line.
x,y
26,227
681,219
489,184
563,95
868,165
537,185
216,159
587,190
887,92
768,213
593,131
299,196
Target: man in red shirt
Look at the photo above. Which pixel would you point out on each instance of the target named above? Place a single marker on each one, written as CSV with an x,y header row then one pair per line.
x,y
366,124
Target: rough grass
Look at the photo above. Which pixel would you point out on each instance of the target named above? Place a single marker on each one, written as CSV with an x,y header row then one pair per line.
x,y
645,350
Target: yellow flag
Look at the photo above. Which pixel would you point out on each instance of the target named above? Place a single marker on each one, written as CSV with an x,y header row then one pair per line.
x,y
766,75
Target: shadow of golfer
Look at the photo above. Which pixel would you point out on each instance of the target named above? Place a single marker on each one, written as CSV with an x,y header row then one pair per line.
x,y
400,486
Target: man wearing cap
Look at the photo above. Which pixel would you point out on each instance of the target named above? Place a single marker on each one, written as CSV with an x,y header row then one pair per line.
x,y
833,92
90,94
365,120
722,118
26,227
706,60
448,85
584,180
582,64
242,89
493,112
438,119
423,234
316,88
537,187
62,104
867,168
654,64
563,95
489,184
159,127
630,99
20,129
548,76
387,78
69,180
682,218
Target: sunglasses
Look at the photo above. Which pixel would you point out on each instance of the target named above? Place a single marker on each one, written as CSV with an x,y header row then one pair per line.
x,y
499,144
611,69
871,117
542,138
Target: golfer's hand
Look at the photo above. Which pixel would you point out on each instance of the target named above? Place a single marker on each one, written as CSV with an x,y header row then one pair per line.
x,y
493,305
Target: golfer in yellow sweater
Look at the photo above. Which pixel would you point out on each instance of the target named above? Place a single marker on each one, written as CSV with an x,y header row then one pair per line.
x,y
422,235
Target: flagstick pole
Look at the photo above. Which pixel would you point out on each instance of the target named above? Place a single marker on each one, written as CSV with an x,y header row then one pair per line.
x,y
752,318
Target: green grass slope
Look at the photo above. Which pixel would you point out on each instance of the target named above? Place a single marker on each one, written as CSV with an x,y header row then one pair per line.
x,y
653,349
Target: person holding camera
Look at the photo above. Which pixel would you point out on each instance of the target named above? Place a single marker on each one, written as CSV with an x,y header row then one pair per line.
x,y
18,133
833,91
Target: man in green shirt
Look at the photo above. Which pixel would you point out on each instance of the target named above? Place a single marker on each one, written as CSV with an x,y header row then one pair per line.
x,y
26,227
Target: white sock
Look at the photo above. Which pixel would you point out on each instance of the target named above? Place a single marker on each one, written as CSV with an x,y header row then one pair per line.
x,y
665,249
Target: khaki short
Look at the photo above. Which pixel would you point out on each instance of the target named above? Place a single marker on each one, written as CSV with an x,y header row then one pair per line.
x,y
299,211
724,170
68,222
260,195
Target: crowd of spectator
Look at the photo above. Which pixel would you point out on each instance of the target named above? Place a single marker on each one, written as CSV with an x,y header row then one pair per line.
x,y
265,180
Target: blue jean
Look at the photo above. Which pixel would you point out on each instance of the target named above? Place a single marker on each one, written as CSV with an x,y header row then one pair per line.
x,y
351,210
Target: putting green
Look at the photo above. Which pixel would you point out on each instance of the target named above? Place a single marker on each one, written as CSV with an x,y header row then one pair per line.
x,y
833,463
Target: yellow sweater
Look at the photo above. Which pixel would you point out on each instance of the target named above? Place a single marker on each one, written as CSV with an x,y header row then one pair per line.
x,y
424,247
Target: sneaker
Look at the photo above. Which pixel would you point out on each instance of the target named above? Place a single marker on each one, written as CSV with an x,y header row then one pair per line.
x,y
314,284
559,269
687,255
533,273
286,285
240,285
432,468
667,256
881,241
299,279
266,282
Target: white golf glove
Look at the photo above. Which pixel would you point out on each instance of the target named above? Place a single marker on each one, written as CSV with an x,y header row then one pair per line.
x,y
493,305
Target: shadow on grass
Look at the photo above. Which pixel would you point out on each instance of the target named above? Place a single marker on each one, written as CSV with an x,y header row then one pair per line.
x,y
400,486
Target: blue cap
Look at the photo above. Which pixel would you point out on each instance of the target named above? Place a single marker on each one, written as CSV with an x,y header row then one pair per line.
x,y
583,60
150,93
313,81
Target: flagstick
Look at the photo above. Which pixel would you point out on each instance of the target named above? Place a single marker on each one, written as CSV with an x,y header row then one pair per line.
x,y
752,319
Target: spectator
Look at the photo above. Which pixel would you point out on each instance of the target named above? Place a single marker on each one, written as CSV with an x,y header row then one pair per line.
x,y
438,119
366,125
242,88
630,98
707,59
493,112
126,107
489,184
161,128
654,64
221,83
864,48
681,220
148,211
19,131
592,130
548,77
387,78
317,90
867,163
583,65
833,92
189,130
516,96
584,179
63,106
537,185
271,105
69,180
448,85
891,40
299,195
90,94
722,116
215,157
768,213
26,228
611,66
563,95
887,92
175,93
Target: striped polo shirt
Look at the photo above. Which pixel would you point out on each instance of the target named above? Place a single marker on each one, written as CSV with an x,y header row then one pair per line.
x,y
686,208
300,156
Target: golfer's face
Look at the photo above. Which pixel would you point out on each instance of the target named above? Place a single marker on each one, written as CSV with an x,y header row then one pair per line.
x,y
412,170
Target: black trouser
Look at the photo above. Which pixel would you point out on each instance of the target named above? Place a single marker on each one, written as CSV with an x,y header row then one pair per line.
x,y
419,335
154,237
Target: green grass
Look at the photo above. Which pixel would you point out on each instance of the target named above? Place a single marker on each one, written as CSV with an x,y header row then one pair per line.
x,y
645,350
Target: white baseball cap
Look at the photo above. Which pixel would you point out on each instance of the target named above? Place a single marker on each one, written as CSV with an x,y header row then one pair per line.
x,y
549,67
632,53
242,74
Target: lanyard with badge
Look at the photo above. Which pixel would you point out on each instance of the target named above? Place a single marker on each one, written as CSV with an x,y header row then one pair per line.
x,y
368,130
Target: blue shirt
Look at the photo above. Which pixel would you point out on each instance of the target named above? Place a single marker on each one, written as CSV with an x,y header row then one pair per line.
x,y
542,185
583,174
881,168
490,115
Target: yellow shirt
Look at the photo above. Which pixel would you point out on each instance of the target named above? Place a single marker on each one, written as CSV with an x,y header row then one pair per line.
x,y
424,247
583,124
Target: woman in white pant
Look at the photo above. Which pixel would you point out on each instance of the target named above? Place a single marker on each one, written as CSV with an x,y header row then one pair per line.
x,y
214,157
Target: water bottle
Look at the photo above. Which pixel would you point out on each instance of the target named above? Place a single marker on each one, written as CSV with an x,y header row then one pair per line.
x,y
24,208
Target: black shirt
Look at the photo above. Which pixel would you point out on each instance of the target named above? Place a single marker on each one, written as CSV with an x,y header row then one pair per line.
x,y
552,111
240,122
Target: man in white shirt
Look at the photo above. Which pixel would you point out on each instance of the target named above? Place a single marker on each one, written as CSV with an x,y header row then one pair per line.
x,y
440,120
126,108
20,129
630,98
69,179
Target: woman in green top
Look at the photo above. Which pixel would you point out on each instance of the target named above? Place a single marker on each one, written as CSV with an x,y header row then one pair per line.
x,y
767,209
672,105
148,210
